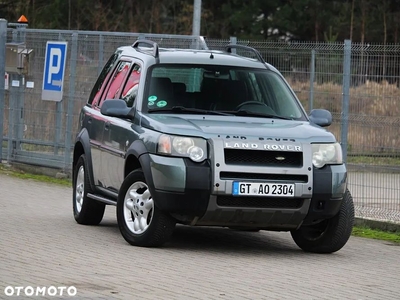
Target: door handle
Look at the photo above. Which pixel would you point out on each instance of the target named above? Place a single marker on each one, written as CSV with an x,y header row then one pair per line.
x,y
90,120
107,126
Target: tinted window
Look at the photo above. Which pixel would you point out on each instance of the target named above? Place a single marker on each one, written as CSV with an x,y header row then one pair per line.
x,y
131,87
117,80
95,94
220,88
191,77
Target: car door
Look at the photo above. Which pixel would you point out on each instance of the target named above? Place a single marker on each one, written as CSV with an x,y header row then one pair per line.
x,y
112,91
93,121
121,133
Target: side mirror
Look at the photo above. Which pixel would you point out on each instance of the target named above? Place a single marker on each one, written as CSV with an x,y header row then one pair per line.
x,y
115,108
321,117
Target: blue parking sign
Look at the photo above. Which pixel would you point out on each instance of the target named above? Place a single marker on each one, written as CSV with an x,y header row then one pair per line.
x,y
54,71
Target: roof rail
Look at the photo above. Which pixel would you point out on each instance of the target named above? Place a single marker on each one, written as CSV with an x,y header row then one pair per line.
x,y
149,43
229,48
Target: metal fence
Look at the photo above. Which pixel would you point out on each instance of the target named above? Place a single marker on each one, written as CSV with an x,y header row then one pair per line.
x,y
358,83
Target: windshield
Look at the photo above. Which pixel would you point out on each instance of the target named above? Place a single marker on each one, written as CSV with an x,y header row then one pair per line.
x,y
200,88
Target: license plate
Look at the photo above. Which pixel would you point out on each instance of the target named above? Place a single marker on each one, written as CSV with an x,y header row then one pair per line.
x,y
263,189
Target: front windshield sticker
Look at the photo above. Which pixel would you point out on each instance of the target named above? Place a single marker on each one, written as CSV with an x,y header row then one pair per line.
x,y
161,103
152,98
150,103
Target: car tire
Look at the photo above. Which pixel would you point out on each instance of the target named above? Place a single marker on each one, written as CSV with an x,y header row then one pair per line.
x,y
330,235
86,210
140,221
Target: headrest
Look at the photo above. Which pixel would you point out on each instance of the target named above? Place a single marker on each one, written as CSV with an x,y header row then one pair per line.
x,y
179,87
161,86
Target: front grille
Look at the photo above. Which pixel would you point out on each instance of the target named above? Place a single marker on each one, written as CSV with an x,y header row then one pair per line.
x,y
259,202
274,177
263,158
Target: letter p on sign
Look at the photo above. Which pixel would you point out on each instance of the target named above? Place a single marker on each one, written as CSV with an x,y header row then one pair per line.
x,y
55,63
54,71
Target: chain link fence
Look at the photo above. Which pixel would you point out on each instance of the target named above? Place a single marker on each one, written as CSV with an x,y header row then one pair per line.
x,y
358,84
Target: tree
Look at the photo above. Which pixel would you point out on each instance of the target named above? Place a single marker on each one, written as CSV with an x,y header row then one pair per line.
x,y
360,20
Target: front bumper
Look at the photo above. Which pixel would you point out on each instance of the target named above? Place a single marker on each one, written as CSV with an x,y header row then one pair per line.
x,y
179,185
330,184
201,194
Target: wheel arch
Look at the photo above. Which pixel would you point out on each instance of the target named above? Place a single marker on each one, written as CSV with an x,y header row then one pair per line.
x,y
131,163
137,156
82,146
133,157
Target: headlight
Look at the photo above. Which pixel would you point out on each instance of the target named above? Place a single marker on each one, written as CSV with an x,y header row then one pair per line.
x,y
182,144
194,148
326,154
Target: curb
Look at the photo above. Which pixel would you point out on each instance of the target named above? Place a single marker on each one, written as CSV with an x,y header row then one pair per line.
x,y
38,170
379,225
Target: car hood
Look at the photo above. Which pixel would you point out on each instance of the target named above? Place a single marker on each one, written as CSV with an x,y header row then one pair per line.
x,y
235,126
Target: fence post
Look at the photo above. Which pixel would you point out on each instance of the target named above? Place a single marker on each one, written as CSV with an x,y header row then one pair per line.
x,y
12,106
20,94
346,97
312,79
71,100
3,40
101,54
59,116
17,97
196,18
10,121
233,41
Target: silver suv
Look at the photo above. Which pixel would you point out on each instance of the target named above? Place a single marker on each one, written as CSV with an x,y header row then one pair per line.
x,y
207,138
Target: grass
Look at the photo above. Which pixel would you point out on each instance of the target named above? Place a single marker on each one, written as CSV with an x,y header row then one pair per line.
x,y
366,232
24,175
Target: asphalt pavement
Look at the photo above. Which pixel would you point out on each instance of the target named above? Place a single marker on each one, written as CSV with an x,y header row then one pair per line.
x,y
43,247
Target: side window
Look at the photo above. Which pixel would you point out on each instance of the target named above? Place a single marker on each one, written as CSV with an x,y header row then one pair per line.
x,y
96,92
131,87
116,81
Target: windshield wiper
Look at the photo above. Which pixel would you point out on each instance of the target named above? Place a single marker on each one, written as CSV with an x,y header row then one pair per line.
x,y
247,113
190,110
182,109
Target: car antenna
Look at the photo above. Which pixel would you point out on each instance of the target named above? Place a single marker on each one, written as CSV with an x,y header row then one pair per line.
x,y
211,55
